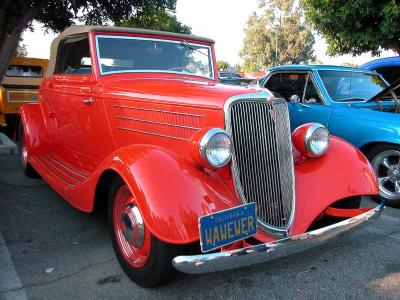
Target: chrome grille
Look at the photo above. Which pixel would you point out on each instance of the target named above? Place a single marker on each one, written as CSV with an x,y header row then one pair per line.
x,y
262,161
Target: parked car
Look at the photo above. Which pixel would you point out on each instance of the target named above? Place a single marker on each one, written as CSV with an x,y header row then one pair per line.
x,y
388,67
354,105
20,85
233,78
135,120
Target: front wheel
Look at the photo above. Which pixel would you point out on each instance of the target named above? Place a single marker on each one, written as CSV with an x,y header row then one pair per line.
x,y
144,258
385,160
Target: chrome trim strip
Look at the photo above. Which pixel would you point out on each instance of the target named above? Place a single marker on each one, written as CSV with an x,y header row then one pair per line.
x,y
157,110
258,96
54,174
158,123
152,133
78,173
58,169
52,161
213,262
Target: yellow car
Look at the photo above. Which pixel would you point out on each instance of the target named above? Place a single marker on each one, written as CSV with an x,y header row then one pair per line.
x,y
19,86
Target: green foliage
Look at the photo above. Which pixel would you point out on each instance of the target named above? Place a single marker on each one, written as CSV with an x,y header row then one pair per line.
x,y
249,66
280,26
356,26
237,67
21,50
317,62
347,64
157,20
222,65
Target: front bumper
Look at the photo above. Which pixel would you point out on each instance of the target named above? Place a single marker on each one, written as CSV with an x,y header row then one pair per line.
x,y
213,262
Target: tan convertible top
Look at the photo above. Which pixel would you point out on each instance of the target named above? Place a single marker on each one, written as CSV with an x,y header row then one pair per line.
x,y
77,29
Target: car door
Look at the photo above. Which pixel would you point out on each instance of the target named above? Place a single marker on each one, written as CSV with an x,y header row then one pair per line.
x,y
310,106
73,90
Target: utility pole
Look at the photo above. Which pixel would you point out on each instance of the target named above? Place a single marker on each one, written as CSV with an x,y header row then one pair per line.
x,y
278,26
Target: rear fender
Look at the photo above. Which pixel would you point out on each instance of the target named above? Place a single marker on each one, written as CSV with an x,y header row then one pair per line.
x,y
171,192
34,127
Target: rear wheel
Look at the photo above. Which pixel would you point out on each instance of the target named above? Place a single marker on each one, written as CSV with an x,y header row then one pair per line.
x,y
27,168
144,258
385,160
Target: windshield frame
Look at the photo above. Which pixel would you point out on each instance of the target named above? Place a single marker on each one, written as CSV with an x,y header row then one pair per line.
x,y
167,40
356,70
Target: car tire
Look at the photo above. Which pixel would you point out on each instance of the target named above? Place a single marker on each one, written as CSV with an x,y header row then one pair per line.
x,y
27,168
147,261
385,160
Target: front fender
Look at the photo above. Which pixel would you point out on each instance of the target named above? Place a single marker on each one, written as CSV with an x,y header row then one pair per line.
x,y
171,192
341,173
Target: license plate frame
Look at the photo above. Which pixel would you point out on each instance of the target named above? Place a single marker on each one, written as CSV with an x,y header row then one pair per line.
x,y
227,226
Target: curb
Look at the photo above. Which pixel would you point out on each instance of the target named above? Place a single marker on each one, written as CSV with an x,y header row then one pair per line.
x,y
7,146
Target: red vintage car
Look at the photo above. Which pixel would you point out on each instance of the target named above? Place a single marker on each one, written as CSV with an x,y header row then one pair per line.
x,y
196,175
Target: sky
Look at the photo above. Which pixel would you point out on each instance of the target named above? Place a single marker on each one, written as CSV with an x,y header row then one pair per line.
x,y
221,20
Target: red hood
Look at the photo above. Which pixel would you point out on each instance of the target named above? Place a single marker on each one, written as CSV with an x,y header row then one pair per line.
x,y
181,91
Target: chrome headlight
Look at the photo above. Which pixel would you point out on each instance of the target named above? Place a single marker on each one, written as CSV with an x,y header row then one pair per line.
x,y
316,140
215,148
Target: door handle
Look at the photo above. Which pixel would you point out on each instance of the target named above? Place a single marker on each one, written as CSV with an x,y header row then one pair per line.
x,y
88,101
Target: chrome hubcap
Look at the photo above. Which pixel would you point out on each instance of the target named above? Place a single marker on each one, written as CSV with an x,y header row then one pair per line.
x,y
24,151
132,226
24,154
387,167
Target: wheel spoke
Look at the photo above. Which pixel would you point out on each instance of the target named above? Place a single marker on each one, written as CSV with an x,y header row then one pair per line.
x,y
397,187
382,180
386,163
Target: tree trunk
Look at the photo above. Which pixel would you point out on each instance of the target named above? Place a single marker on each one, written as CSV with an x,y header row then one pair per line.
x,y
9,45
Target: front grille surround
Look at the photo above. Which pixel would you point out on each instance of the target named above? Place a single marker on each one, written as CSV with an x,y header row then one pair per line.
x,y
284,163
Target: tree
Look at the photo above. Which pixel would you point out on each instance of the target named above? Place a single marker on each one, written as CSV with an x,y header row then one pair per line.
x,y
157,20
17,15
278,35
356,26
21,50
222,65
347,64
237,67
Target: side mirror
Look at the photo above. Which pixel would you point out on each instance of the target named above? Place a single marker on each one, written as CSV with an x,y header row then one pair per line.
x,y
294,99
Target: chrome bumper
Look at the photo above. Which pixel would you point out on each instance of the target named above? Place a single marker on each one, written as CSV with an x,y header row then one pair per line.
x,y
205,263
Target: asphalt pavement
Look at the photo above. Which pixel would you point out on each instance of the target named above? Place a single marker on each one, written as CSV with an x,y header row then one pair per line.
x,y
49,250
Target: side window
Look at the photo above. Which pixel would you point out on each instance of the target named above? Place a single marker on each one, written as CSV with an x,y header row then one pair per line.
x,y
311,94
74,56
286,85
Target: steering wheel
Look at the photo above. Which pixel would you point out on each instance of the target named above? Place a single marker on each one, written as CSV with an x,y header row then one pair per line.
x,y
180,69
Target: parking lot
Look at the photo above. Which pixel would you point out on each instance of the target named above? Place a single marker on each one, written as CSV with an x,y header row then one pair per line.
x,y
49,250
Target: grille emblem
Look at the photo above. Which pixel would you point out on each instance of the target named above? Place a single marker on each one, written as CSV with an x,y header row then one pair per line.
x,y
273,114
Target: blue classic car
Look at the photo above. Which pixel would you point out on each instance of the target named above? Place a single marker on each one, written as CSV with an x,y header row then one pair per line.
x,y
388,67
355,104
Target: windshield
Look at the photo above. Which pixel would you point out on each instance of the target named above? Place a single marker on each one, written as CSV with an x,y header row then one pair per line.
x,y
351,86
120,54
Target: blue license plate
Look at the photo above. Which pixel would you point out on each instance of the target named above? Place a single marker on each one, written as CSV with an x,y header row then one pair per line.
x,y
227,226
